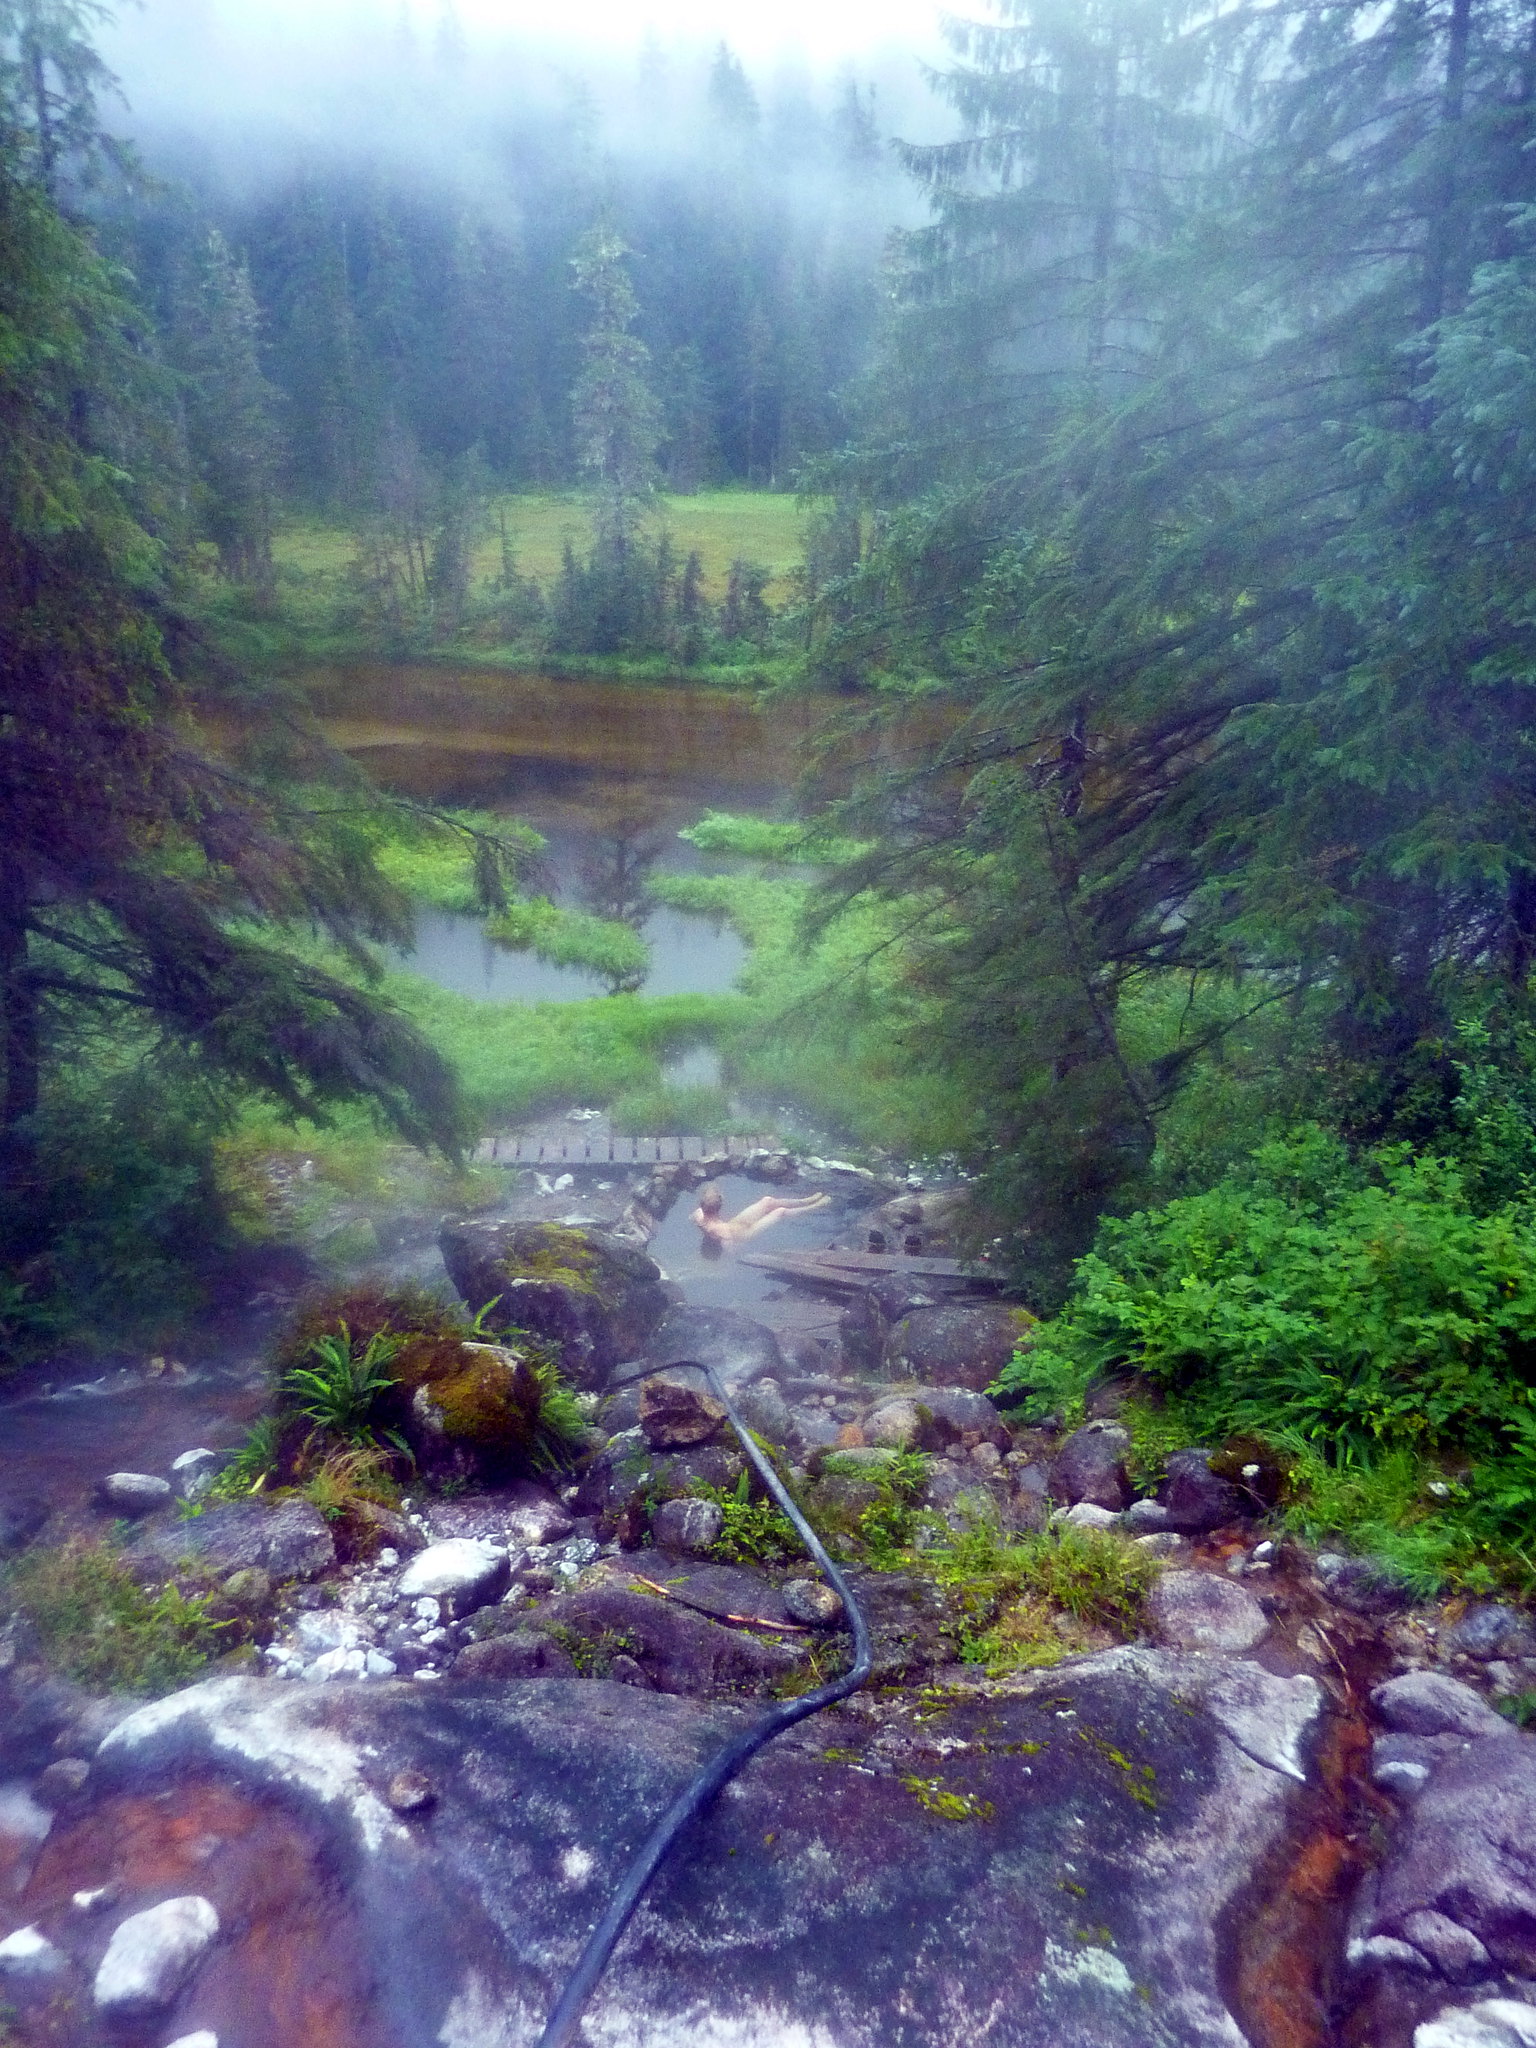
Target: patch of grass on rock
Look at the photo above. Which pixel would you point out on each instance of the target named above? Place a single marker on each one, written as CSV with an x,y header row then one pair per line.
x,y
1032,1602
104,1630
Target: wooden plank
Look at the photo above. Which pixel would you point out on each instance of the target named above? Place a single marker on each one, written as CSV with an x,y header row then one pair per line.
x,y
854,1271
875,1263
669,1150
693,1148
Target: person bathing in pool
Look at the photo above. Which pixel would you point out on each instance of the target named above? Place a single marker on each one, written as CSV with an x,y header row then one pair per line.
x,y
720,1230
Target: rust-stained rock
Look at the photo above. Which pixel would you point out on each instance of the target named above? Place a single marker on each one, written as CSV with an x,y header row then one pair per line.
x,y
1063,1866
674,1416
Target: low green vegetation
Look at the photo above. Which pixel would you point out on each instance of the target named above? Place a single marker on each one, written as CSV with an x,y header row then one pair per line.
x,y
792,841
1030,1602
573,938
754,1530
1362,1314
102,1629
337,1383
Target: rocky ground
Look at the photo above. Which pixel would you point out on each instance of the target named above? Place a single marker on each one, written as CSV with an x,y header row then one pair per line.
x,y
1278,1808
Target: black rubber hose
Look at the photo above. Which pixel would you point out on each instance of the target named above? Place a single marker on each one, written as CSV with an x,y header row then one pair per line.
x,y
721,1768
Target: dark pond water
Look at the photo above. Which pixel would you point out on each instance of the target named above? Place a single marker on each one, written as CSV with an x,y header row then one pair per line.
x,y
608,773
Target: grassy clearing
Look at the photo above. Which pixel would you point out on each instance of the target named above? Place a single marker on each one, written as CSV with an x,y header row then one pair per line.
x,y
724,526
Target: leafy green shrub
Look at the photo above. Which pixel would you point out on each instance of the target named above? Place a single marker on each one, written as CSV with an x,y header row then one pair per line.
x,y
1357,1309
253,1463
755,1531
102,1629
338,1388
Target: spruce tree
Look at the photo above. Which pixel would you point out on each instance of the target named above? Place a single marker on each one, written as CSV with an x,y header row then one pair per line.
x,y
1242,670
617,421
230,411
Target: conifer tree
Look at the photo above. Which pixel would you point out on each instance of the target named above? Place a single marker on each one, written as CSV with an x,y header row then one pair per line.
x,y
616,418
1244,679
230,408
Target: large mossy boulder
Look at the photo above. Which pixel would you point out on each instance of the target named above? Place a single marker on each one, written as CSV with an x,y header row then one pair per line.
x,y
467,1408
471,1410
585,1292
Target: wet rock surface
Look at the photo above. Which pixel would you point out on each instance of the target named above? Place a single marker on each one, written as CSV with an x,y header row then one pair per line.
x,y
288,1540
739,1348
403,1828
954,1345
1453,1902
587,1291
1190,1610
884,1876
1090,1466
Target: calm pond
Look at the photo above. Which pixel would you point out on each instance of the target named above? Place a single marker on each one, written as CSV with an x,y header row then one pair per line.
x,y
607,772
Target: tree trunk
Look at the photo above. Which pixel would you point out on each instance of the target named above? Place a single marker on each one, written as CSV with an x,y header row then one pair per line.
x,y
20,1087
1445,253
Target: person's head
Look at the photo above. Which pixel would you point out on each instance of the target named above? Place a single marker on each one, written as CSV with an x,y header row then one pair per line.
x,y
711,1201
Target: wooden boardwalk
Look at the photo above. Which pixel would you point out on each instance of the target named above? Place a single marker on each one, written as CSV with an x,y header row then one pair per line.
x,y
580,1147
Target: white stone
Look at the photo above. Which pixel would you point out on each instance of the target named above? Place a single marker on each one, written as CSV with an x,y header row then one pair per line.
x,y
1513,2013
1398,1775
324,1630
337,1664
93,1900
195,1471
463,1573
378,1665
152,1954
1457,2027
388,1559
201,2039
1146,1517
1380,1951
1086,1516
135,1493
428,1610
26,1953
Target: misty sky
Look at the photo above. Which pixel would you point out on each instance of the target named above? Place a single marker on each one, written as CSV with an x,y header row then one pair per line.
x,y
266,84
823,30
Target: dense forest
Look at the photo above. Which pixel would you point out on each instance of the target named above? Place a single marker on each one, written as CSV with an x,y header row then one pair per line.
x,y
1179,463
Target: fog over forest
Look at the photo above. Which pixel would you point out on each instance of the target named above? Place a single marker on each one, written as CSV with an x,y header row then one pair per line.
x,y
407,198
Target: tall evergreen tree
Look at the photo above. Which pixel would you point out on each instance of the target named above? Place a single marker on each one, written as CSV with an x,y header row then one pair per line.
x,y
617,420
230,410
1245,686
51,77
